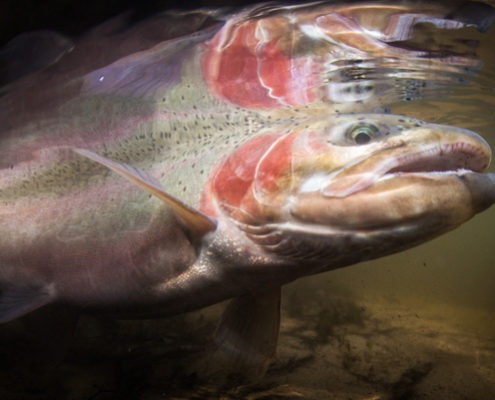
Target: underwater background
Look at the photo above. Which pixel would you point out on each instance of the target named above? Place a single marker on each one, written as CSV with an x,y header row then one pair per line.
x,y
416,325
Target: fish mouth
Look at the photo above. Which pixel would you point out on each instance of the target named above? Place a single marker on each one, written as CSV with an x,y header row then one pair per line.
x,y
447,156
455,158
408,182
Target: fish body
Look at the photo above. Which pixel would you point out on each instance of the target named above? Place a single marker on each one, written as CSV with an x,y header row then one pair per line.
x,y
261,179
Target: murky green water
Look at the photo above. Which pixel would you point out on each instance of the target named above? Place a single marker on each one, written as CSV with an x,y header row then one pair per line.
x,y
416,325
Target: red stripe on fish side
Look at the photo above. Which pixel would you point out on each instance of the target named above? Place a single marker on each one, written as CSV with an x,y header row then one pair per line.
x,y
231,180
290,79
231,72
275,162
274,69
253,64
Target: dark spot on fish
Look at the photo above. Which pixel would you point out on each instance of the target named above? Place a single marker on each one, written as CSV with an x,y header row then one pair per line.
x,y
401,120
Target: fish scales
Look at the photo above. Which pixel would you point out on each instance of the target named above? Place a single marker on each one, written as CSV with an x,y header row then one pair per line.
x,y
175,134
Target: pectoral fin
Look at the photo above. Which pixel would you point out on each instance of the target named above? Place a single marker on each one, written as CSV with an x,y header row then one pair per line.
x,y
17,301
195,221
248,332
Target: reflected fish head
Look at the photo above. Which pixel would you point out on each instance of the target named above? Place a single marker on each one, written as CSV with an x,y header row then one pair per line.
x,y
269,57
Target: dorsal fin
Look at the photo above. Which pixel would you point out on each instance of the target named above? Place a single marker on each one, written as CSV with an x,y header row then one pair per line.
x,y
195,221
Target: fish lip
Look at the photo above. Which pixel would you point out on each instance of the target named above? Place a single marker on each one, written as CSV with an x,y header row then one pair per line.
x,y
442,158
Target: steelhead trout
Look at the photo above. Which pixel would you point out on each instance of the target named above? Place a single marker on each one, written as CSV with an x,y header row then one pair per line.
x,y
243,169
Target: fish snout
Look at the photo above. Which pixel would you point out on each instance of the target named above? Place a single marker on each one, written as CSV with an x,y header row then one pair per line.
x,y
482,189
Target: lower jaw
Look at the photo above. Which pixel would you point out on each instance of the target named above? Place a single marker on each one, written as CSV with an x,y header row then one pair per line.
x,y
404,196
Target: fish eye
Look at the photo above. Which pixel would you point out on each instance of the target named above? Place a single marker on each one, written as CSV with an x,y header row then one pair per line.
x,y
363,133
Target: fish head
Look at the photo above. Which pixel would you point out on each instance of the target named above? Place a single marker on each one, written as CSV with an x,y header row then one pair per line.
x,y
272,56
348,188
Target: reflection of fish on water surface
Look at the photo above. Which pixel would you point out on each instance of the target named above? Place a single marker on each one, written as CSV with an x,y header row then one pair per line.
x,y
246,133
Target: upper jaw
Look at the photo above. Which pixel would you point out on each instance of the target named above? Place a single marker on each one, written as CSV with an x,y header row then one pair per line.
x,y
444,157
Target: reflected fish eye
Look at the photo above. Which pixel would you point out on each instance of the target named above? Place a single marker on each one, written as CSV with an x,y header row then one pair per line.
x,y
362,133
